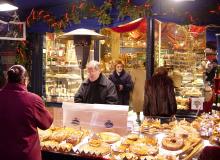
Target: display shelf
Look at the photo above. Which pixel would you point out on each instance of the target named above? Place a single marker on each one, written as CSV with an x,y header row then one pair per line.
x,y
62,73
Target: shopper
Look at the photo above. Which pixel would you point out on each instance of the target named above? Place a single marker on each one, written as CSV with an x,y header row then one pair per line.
x,y
97,88
159,97
211,71
138,75
122,81
21,113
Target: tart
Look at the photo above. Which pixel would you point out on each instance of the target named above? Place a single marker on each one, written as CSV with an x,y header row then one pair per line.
x,y
128,156
172,143
109,137
143,149
133,136
103,149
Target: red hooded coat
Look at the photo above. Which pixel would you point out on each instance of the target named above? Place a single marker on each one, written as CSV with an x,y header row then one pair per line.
x,y
21,112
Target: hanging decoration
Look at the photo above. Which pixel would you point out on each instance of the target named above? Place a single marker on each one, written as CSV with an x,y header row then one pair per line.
x,y
84,10
23,55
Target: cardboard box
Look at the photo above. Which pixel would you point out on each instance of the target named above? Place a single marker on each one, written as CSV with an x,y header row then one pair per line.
x,y
97,117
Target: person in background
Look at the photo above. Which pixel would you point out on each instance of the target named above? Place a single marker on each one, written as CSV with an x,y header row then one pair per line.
x,y
159,99
138,75
210,71
97,88
122,81
21,113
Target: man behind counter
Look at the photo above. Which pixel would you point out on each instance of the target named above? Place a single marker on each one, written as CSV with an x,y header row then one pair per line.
x,y
97,88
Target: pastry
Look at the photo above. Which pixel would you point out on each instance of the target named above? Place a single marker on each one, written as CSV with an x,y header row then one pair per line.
x,y
142,149
95,141
128,156
133,136
121,148
103,149
65,147
73,140
44,134
172,143
109,137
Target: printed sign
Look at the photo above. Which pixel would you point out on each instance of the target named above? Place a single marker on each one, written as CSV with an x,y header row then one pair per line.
x,y
197,103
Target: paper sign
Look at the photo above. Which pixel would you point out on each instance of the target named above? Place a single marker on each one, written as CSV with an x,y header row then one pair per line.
x,y
197,103
97,117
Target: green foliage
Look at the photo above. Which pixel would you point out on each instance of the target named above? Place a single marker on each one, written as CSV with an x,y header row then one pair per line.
x,y
86,9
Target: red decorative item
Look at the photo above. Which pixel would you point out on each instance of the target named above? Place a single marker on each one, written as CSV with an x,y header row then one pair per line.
x,y
130,26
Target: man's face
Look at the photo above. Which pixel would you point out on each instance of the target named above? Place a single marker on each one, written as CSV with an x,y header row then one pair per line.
x,y
119,68
93,74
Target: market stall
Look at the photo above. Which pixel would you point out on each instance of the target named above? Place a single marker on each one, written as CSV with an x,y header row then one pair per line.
x,y
176,139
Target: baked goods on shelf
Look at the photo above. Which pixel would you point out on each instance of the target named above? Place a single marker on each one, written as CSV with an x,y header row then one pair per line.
x,y
44,134
133,136
142,149
109,137
73,139
103,149
95,141
64,147
128,156
49,145
172,143
120,149
127,142
151,126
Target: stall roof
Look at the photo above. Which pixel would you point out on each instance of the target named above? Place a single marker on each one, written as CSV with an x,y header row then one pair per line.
x,y
198,12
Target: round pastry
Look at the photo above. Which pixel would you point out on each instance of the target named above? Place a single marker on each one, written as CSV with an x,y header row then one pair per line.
x,y
103,149
121,148
127,142
152,140
95,141
172,143
128,156
109,137
73,140
133,136
142,149
44,134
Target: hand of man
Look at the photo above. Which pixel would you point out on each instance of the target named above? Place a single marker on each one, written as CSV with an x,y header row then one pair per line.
x,y
120,87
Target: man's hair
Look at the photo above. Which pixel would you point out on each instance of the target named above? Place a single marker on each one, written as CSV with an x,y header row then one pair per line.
x,y
16,74
93,64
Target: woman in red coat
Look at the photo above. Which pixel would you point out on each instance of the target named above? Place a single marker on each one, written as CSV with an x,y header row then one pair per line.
x,y
21,112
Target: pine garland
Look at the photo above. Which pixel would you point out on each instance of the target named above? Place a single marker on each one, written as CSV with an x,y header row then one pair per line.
x,y
83,10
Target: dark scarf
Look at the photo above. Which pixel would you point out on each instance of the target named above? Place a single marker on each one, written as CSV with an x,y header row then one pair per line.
x,y
93,95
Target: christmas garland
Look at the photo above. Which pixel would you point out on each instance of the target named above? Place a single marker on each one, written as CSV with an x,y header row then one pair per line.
x,y
23,55
84,10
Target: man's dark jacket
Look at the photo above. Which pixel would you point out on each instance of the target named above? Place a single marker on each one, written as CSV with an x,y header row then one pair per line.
x,y
102,91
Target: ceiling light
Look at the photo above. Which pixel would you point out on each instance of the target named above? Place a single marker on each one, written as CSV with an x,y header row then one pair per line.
x,y
5,6
183,0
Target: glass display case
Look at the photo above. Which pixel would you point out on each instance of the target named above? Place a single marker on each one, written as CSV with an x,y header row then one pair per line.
x,y
182,53
63,75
